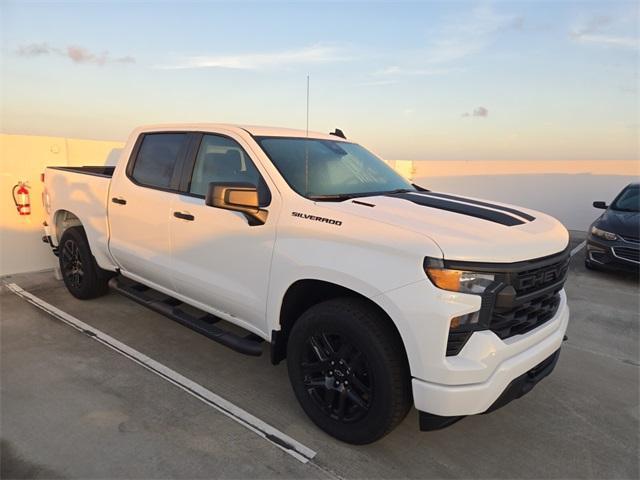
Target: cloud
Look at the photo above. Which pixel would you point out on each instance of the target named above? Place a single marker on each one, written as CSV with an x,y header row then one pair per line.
x,y
82,55
125,59
481,112
76,54
602,30
596,24
608,40
261,61
33,50
460,37
469,34
377,83
401,71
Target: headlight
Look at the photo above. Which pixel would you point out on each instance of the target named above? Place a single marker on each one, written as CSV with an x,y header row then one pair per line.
x,y
603,234
457,280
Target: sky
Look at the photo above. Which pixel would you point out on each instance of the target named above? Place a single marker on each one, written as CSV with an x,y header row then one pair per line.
x,y
544,80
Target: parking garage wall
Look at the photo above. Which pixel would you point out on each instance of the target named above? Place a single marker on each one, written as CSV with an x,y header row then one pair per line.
x,y
24,158
562,189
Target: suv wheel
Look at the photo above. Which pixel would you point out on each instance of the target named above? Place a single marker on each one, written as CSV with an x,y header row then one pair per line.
x,y
348,370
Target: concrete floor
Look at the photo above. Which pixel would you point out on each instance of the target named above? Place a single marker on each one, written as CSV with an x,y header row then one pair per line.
x,y
73,408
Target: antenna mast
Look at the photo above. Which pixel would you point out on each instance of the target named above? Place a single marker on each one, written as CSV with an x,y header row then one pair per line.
x,y
307,105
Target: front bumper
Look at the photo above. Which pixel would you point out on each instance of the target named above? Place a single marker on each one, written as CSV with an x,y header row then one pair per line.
x,y
613,255
504,360
516,389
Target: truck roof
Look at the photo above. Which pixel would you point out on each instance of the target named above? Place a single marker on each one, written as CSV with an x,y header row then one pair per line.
x,y
255,130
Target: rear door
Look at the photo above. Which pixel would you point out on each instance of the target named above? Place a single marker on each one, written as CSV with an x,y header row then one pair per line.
x,y
140,207
220,261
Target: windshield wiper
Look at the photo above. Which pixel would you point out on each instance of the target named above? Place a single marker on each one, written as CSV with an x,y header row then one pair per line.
x,y
346,196
400,190
334,198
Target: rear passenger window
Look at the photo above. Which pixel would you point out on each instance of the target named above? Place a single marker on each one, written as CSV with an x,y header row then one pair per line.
x,y
157,158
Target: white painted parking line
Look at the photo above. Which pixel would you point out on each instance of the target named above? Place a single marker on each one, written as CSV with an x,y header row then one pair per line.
x,y
578,248
266,431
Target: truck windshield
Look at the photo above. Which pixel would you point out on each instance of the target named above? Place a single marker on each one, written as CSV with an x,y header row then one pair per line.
x,y
331,170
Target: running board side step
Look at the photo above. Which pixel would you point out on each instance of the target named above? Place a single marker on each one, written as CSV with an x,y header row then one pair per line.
x,y
203,324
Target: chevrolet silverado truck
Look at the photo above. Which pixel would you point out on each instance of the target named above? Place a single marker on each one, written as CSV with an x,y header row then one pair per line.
x,y
380,294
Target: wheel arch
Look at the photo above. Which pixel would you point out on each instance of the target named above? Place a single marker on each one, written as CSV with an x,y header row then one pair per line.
x,y
305,293
63,220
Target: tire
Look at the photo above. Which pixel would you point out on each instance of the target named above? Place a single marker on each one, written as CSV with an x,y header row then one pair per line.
x,y
80,272
366,396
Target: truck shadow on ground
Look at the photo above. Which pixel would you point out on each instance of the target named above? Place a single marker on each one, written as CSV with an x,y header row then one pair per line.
x,y
14,466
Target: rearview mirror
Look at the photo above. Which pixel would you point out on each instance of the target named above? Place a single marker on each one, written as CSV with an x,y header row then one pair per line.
x,y
600,205
238,197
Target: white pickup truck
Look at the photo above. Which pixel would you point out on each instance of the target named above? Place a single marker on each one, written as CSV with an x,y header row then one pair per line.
x,y
380,294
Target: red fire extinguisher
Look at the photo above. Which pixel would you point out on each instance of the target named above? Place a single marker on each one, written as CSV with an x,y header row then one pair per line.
x,y
21,198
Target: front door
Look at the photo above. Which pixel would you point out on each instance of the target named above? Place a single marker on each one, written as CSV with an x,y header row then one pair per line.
x,y
219,260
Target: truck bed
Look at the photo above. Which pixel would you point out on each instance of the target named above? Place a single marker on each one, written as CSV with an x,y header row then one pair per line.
x,y
101,171
81,193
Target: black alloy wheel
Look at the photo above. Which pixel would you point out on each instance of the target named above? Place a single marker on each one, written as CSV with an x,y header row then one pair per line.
x,y
81,274
336,376
348,369
71,263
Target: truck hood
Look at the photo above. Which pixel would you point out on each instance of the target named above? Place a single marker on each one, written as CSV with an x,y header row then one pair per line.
x,y
465,228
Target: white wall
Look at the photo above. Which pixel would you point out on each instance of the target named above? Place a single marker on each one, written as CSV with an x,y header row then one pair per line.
x,y
565,190
567,197
562,189
24,158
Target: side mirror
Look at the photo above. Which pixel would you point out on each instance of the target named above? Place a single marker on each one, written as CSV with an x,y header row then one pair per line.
x,y
238,197
600,205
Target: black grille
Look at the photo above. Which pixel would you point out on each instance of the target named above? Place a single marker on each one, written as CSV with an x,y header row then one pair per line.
x,y
525,295
630,238
632,254
536,279
537,298
527,316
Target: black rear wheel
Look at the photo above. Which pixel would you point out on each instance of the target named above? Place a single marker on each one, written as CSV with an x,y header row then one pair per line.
x,y
348,370
80,272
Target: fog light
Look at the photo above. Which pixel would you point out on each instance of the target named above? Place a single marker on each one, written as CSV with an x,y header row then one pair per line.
x,y
467,320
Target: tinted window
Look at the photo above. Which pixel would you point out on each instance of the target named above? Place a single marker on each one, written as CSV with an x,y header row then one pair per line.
x,y
222,160
316,168
157,158
628,200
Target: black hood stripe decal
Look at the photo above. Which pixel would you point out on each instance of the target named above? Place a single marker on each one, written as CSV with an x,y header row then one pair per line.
x,y
524,215
461,208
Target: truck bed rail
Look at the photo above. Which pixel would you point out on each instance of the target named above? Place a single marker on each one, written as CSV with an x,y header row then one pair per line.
x,y
99,171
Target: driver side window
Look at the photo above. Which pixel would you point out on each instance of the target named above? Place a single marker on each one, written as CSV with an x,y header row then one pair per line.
x,y
223,160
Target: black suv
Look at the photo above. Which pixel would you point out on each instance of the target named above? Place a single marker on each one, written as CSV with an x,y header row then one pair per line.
x,y
614,238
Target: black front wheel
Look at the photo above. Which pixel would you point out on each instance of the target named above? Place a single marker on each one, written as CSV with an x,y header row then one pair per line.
x,y
80,272
348,370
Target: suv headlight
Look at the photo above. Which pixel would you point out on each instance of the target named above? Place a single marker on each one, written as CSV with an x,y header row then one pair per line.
x,y
595,231
456,280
